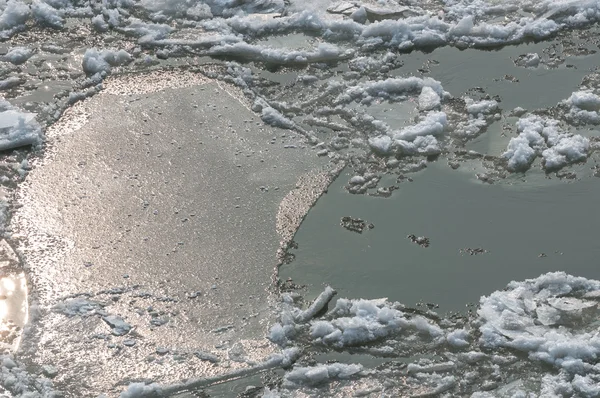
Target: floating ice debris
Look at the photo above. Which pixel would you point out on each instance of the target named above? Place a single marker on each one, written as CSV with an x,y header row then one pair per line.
x,y
206,356
15,378
419,240
482,107
17,128
531,60
11,82
78,306
17,55
355,224
280,360
95,61
473,252
584,108
317,306
358,322
429,99
46,14
543,136
49,371
118,326
315,375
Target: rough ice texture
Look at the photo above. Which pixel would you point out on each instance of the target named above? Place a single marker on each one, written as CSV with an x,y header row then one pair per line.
x,y
429,99
45,14
584,108
482,107
95,61
315,375
77,307
392,88
552,319
434,124
17,128
357,322
141,390
17,55
16,379
540,136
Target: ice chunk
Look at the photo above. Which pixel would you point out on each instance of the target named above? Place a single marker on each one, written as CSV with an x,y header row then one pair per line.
x,y
381,144
433,123
508,319
118,326
95,61
45,14
542,136
18,55
17,128
13,16
429,99
77,306
141,390
482,107
315,375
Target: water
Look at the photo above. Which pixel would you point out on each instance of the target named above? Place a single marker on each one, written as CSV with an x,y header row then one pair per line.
x,y
515,224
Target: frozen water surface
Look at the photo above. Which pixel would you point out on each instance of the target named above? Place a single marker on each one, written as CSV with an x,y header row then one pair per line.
x,y
159,157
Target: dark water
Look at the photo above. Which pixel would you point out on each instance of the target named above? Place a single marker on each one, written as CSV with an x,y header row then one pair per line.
x,y
514,223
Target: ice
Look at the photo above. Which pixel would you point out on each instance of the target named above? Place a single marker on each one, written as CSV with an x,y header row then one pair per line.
x,y
99,23
13,16
458,338
323,53
429,99
141,390
392,88
95,61
78,307
118,326
356,322
46,14
584,107
381,144
17,128
540,136
482,107
567,150
434,123
319,374
18,55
